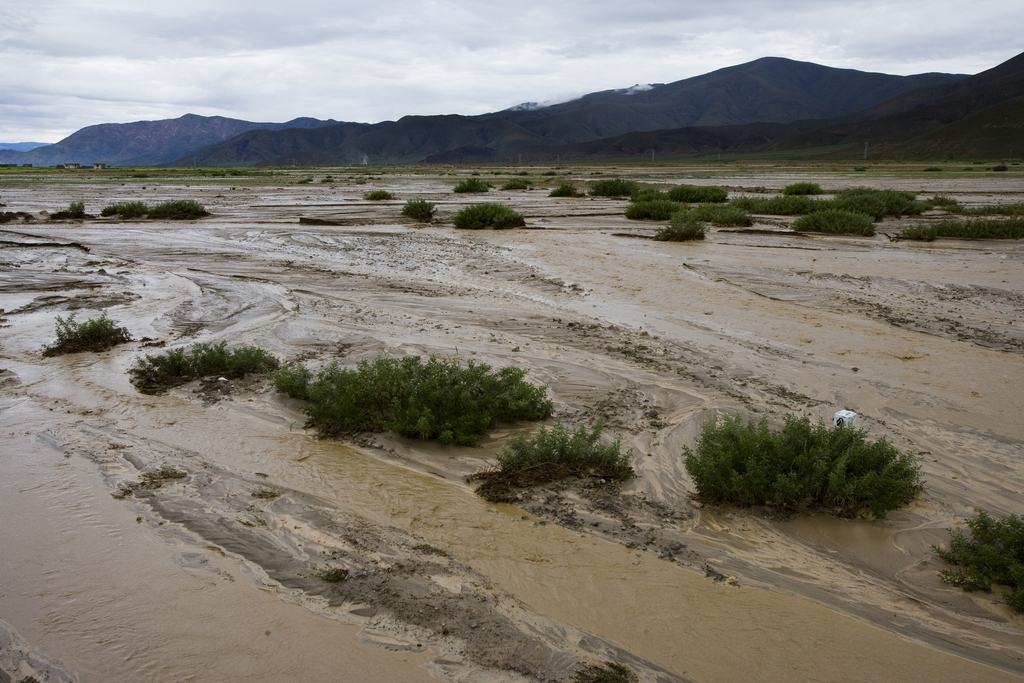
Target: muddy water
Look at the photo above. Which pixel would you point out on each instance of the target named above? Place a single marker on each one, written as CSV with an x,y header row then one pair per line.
x,y
654,337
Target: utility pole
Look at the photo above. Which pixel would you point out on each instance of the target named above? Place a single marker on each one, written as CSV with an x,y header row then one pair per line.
x,y
520,158
865,149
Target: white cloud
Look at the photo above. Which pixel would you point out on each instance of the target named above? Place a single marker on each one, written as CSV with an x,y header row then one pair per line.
x,y
68,64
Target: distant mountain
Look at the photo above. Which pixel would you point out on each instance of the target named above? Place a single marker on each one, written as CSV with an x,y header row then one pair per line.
x,y
771,90
21,146
146,143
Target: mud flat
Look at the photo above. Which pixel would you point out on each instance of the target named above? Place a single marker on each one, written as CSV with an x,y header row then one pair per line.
x,y
272,555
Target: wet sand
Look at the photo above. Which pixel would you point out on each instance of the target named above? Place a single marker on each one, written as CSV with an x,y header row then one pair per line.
x,y
924,341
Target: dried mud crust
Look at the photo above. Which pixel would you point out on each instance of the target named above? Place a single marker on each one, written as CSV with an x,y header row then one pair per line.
x,y
401,590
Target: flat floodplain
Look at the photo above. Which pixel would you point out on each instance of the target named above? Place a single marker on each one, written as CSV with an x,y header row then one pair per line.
x,y
924,340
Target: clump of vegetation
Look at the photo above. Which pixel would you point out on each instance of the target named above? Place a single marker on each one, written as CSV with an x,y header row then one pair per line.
x,y
332,574
419,209
517,184
976,229
993,555
1016,209
784,205
705,194
566,190
802,188
646,192
801,465
1000,167
946,204
75,210
723,215
652,209
612,187
156,374
488,215
685,226
836,222
879,203
178,209
609,672
98,334
553,454
126,210
471,185
438,399
377,195
150,481
266,494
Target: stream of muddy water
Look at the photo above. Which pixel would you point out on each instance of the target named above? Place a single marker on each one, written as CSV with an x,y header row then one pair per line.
x,y
205,578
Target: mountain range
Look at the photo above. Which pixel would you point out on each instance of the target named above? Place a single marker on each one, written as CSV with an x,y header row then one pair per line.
x,y
768,105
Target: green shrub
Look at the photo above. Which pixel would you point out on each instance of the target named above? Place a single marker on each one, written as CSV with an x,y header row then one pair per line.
x,y
609,672
377,195
997,210
76,210
652,210
723,215
1001,167
550,455
126,210
612,187
419,209
784,205
178,209
683,228
645,193
480,216
804,464
994,555
156,374
438,399
802,188
98,334
471,185
548,173
976,229
566,190
517,184
836,222
292,379
879,203
946,204
708,194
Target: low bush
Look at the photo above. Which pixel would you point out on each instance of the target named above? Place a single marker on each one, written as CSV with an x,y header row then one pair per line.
x,y
879,203
566,190
178,209
156,374
836,222
377,195
550,455
784,205
652,209
609,672
946,204
419,209
471,185
480,216
802,188
707,194
993,555
723,215
684,226
612,187
76,210
645,193
438,399
997,210
803,464
517,184
976,229
126,210
98,334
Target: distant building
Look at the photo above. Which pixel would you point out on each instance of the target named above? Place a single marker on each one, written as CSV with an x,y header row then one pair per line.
x,y
26,165
8,165
99,165
71,166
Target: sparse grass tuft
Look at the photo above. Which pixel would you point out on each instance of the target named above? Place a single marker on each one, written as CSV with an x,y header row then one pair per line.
x,y
946,204
1016,209
566,190
517,184
332,575
976,229
685,226
994,555
377,195
156,374
471,185
489,215
802,189
838,469
419,209
612,187
836,222
98,334
178,209
438,399
652,210
705,194
609,672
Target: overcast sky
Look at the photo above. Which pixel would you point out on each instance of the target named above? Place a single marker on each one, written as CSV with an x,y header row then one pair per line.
x,y
67,64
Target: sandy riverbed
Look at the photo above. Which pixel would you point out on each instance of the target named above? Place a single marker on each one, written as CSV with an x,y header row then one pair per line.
x,y
199,580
